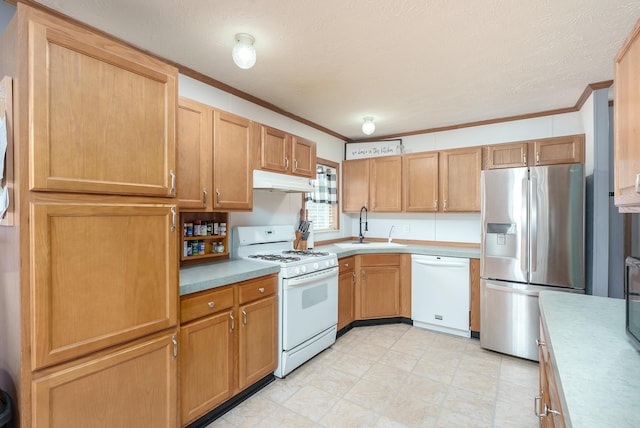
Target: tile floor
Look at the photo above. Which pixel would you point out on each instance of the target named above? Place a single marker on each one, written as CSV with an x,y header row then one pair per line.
x,y
397,376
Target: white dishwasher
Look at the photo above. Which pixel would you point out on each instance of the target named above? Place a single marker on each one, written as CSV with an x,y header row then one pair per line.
x,y
440,294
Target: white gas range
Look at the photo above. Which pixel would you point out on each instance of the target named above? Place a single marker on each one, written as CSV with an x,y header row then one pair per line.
x,y
307,291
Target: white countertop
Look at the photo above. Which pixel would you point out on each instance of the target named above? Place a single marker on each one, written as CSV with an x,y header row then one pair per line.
x,y
597,369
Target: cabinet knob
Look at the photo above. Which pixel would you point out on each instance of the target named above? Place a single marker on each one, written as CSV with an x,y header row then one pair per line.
x,y
346,265
540,342
211,304
261,290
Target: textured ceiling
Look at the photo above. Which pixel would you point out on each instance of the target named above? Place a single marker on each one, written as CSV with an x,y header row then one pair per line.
x,y
410,64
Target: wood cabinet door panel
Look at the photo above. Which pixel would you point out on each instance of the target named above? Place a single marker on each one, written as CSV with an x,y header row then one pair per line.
x,y
303,153
460,179
385,184
346,298
420,172
103,116
194,155
232,172
275,150
132,387
559,150
206,365
355,185
102,275
507,155
258,340
379,292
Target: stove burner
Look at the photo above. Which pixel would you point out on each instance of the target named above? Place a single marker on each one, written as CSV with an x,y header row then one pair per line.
x,y
274,258
306,253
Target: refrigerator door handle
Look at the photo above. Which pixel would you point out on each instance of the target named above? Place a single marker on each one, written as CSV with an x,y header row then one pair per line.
x,y
533,293
523,226
533,227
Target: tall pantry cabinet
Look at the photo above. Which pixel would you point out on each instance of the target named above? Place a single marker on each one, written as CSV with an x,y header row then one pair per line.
x,y
89,270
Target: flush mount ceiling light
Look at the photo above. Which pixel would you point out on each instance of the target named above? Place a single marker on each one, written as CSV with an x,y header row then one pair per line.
x,y
244,54
368,127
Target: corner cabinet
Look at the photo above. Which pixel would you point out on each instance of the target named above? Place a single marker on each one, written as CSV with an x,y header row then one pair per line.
x,y
109,103
378,293
626,108
375,183
233,143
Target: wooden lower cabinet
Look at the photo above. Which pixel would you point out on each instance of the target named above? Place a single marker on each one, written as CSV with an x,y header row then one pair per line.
x,y
346,291
206,365
229,342
547,403
258,340
378,289
474,282
130,387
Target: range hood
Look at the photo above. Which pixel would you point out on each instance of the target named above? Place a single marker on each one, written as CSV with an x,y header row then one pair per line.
x,y
264,180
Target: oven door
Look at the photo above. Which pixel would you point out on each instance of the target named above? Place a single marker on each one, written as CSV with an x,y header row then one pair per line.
x,y
309,306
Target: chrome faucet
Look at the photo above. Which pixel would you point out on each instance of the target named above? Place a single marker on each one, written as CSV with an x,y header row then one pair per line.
x,y
366,223
391,230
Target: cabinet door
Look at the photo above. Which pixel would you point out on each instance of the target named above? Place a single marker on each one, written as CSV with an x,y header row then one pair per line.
x,y
232,172
194,155
275,150
474,283
206,365
304,157
102,275
385,184
132,387
626,125
102,115
420,171
346,298
559,150
460,179
257,350
507,155
379,292
355,185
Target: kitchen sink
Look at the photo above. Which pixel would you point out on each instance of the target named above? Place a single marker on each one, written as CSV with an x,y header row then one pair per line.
x,y
368,244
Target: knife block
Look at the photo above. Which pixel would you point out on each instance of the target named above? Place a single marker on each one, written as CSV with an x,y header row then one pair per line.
x,y
299,244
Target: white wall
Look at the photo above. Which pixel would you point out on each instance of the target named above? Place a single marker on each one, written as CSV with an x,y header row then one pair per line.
x,y
462,227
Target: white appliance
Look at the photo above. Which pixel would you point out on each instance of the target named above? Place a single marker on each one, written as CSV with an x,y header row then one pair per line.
x,y
307,292
440,294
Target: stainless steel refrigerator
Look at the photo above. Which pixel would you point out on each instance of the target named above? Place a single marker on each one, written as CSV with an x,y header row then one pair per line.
x,y
532,239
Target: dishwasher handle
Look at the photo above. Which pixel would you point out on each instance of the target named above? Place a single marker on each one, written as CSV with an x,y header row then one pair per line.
x,y
440,264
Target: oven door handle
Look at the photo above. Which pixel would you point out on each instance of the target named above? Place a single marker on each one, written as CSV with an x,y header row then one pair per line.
x,y
314,276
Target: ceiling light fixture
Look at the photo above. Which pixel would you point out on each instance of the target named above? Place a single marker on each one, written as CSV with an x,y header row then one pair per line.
x,y
368,127
244,54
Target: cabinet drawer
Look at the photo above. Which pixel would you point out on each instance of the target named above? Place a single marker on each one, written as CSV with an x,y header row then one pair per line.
x,y
380,260
258,288
205,303
346,264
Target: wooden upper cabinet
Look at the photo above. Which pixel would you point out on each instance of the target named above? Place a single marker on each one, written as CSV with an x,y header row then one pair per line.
x,y
460,179
101,275
355,185
275,150
303,153
420,172
558,150
134,386
102,115
194,155
232,170
626,124
385,184
511,155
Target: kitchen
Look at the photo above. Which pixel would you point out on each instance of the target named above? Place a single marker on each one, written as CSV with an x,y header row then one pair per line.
x,y
270,208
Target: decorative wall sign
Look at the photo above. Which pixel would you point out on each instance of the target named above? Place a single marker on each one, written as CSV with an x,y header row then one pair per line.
x,y
372,149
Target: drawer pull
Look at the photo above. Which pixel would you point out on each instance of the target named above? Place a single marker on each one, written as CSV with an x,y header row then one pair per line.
x,y
261,290
211,304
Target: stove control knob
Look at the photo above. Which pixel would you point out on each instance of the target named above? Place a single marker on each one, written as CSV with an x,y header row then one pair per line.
x,y
315,266
303,269
297,271
326,263
332,262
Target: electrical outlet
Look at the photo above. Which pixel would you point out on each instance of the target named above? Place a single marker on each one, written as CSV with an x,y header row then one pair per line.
x,y
407,228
